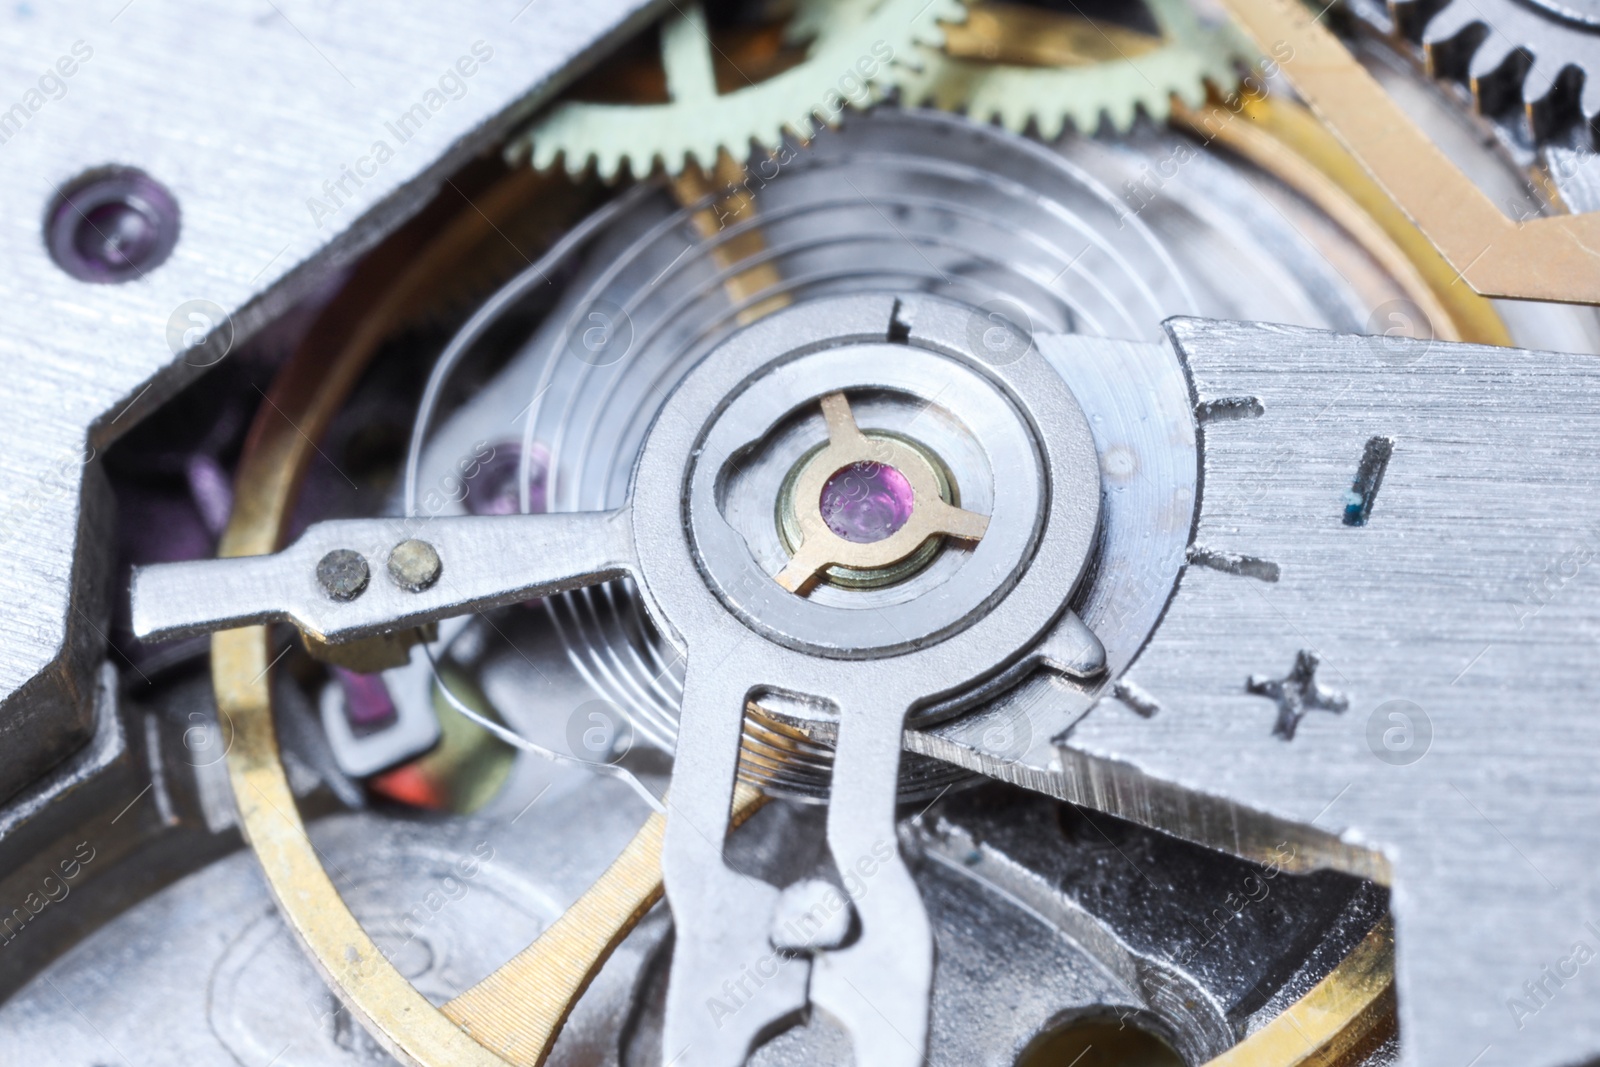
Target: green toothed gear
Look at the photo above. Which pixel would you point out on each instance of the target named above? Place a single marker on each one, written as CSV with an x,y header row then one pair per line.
x,y
1193,52
854,59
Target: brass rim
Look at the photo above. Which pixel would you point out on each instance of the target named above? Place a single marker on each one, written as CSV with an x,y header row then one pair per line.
x,y
1286,141
1343,1017
509,1011
304,398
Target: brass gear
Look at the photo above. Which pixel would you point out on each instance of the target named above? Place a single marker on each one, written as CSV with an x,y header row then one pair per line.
x,y
1022,67
1027,68
851,62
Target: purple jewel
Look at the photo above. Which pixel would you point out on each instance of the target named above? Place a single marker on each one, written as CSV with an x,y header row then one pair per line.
x,y
366,700
867,502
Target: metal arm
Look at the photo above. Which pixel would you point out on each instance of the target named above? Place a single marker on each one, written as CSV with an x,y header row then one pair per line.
x,y
348,579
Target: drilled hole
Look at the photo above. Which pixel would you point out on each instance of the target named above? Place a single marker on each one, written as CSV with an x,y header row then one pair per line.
x,y
1100,1042
1229,409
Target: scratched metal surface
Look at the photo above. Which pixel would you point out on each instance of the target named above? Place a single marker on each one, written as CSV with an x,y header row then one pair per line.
x,y
244,111
1470,592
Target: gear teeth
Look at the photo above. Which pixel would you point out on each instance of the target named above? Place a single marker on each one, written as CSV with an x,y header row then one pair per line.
x,y
1050,126
1194,96
1112,95
700,123
1121,115
1490,57
1497,74
1513,56
1541,81
1451,37
1109,96
1589,98
1551,95
1406,18
1455,19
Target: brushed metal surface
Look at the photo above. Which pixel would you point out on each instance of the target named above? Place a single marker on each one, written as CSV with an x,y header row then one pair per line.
x,y
243,111
1469,593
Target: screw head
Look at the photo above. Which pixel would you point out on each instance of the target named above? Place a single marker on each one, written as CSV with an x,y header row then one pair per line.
x,y
343,574
414,565
112,225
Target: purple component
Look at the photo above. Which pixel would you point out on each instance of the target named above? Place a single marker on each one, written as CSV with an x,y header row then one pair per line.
x,y
867,502
112,226
494,490
211,489
160,528
366,702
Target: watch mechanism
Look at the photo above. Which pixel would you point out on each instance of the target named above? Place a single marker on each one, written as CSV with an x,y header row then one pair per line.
x,y
801,532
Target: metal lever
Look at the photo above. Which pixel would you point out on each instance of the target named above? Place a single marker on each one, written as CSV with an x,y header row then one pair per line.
x,y
352,578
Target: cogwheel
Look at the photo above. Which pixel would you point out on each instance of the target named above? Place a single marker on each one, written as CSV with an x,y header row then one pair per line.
x,y
1545,53
1188,54
849,63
